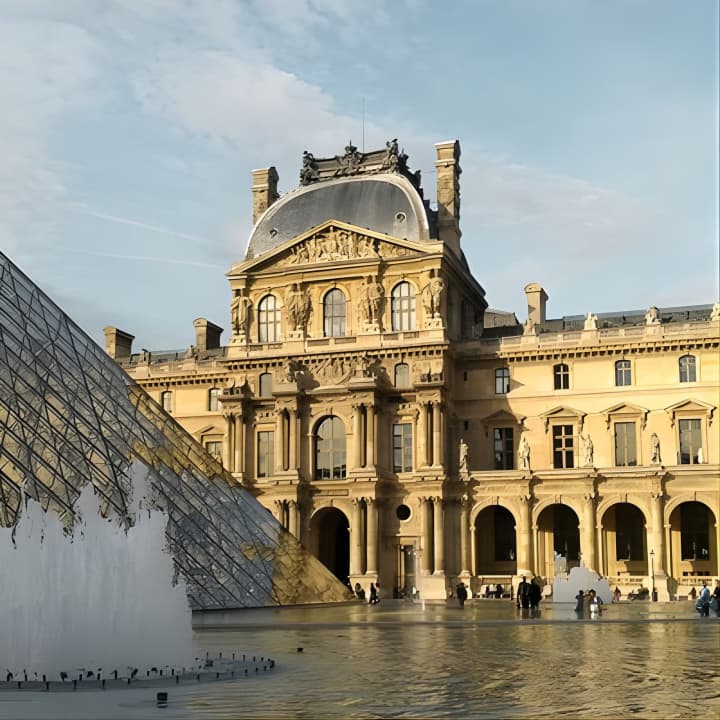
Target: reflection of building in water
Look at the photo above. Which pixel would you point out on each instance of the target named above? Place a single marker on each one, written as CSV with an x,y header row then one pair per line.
x,y
356,449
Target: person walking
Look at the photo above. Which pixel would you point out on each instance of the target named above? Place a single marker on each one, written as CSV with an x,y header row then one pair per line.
x,y
461,592
580,605
374,600
703,602
535,594
523,594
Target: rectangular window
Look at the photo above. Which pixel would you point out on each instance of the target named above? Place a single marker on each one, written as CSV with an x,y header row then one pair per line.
x,y
402,447
503,449
167,401
213,395
623,373
625,445
502,381
690,441
265,452
214,448
563,446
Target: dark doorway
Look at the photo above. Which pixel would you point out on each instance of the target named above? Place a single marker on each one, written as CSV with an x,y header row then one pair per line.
x,y
331,532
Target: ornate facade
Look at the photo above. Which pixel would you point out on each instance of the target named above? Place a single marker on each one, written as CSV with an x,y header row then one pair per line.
x,y
407,434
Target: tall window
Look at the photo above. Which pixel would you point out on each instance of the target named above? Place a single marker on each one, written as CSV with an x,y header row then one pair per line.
x,y
166,400
690,441
623,373
266,385
265,452
214,448
330,456
402,447
503,448
563,446
334,313
402,306
694,531
625,445
561,373
213,399
502,381
268,319
687,366
402,375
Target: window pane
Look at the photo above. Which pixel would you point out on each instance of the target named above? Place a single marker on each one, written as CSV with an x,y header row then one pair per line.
x,y
625,452
265,452
402,375
687,368
402,447
334,314
167,401
690,441
265,385
502,381
563,447
622,373
213,395
402,307
214,448
503,448
561,376
330,460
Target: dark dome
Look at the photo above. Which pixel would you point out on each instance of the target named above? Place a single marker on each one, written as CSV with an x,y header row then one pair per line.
x,y
385,203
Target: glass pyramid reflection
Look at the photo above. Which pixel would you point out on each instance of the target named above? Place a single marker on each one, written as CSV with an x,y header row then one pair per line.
x,y
70,415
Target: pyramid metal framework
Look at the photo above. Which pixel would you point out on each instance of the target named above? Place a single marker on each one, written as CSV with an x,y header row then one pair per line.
x,y
69,415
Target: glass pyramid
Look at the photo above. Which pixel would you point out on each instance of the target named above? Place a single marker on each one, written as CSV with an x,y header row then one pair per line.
x,y
70,415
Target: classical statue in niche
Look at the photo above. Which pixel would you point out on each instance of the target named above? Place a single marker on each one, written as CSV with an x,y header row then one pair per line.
x,y
524,454
591,322
654,449
370,303
240,308
463,459
652,316
432,295
298,307
588,450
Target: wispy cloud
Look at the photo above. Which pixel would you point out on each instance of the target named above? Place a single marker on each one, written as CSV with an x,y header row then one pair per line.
x,y
139,258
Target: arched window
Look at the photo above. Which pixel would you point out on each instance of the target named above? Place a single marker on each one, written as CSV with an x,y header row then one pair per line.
x,y
623,373
402,375
268,319
213,398
334,314
687,368
266,385
402,307
330,456
561,374
166,400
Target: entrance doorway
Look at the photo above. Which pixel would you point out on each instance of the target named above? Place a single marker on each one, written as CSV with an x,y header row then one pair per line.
x,y
405,584
330,542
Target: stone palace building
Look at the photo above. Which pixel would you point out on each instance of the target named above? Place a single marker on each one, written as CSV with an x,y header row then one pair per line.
x,y
409,435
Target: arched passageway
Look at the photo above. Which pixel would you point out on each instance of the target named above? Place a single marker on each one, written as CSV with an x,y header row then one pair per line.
x,y
558,540
624,542
330,541
693,552
495,542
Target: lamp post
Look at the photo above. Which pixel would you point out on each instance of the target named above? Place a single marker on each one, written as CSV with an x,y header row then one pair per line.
x,y
652,575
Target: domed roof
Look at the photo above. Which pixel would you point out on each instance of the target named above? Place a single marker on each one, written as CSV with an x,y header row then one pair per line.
x,y
387,203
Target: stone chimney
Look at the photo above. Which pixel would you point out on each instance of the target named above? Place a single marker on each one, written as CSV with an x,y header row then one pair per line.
x,y
118,344
448,192
207,335
536,299
264,190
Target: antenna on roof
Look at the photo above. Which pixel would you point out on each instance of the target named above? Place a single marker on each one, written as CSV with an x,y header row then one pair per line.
x,y
363,125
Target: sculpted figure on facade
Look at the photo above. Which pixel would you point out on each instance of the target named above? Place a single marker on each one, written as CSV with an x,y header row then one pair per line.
x,y
529,327
715,314
432,296
588,450
591,322
524,454
240,313
654,449
463,459
308,172
371,301
298,308
652,316
391,155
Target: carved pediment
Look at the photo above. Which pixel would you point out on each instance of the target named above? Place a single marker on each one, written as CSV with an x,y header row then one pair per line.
x,y
333,241
501,417
563,413
626,410
691,407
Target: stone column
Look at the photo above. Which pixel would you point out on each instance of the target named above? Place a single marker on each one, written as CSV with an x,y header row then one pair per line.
x,y
239,444
439,536
437,458
473,550
293,519
355,538
370,459
229,452
279,441
421,436
464,555
656,541
357,436
294,429
524,537
425,506
372,535
587,541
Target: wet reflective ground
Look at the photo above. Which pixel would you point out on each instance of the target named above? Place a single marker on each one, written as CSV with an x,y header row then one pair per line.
x,y
399,660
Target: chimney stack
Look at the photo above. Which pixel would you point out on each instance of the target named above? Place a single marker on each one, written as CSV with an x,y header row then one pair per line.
x,y
207,335
264,190
118,344
536,299
448,192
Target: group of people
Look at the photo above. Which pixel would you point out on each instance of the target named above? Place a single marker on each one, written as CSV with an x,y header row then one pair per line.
x,y
529,594
360,593
589,601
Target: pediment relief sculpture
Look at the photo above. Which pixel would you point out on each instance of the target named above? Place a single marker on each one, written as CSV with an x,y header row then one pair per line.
x,y
337,243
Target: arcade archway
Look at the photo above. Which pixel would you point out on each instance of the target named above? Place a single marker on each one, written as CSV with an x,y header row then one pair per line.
x,y
330,541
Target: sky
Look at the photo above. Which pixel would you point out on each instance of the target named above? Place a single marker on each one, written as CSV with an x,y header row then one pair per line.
x,y
129,129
